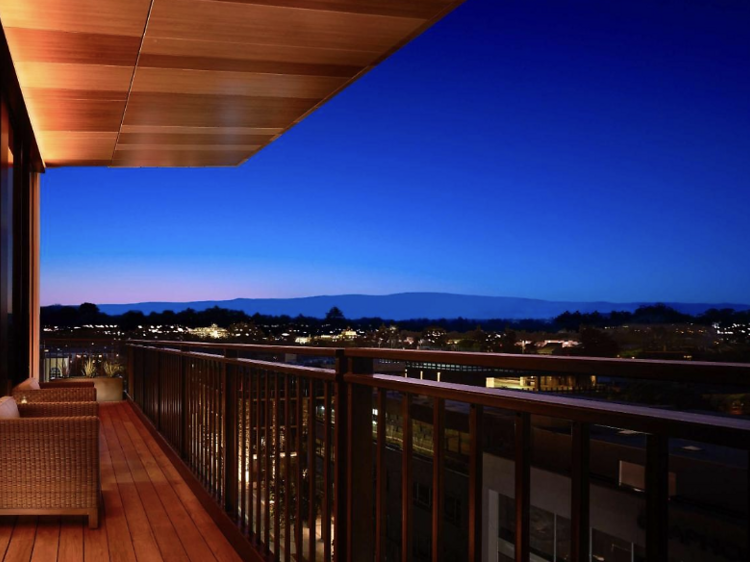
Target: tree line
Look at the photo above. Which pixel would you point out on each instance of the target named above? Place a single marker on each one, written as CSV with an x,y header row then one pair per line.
x,y
89,314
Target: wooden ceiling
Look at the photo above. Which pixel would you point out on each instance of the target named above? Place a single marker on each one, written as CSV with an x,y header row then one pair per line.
x,y
166,83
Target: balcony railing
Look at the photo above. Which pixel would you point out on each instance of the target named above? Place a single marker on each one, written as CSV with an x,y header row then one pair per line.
x,y
428,470
62,357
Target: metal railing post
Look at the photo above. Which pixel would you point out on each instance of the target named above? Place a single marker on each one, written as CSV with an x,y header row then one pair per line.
x,y
230,448
657,496
359,530
580,493
184,408
341,491
157,360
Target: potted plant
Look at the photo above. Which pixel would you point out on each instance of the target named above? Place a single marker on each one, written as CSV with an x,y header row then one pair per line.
x,y
104,374
88,369
109,387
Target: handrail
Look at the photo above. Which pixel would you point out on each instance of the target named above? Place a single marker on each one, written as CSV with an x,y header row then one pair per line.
x,y
725,374
720,430
284,368
254,348
716,429
264,437
682,371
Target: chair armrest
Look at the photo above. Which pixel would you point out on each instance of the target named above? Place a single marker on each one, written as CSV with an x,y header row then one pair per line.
x,y
49,463
58,409
84,394
66,384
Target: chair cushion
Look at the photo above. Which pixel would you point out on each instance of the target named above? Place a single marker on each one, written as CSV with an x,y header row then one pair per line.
x,y
28,384
8,408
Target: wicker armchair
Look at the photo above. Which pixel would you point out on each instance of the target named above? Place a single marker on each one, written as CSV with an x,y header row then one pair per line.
x,y
49,461
75,392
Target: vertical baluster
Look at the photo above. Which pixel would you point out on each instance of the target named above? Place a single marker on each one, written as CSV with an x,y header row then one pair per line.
x,y
205,415
311,469
325,520
657,497
340,492
202,416
221,438
406,485
242,443
183,407
523,485
287,470
298,549
438,475
216,419
210,456
157,361
230,429
209,429
475,483
250,447
276,469
258,457
579,509
380,479
267,459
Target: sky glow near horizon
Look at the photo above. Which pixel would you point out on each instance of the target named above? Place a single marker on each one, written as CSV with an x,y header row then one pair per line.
x,y
544,149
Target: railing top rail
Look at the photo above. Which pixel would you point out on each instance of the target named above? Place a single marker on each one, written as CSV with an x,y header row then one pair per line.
x,y
250,348
78,339
720,430
735,374
297,370
678,371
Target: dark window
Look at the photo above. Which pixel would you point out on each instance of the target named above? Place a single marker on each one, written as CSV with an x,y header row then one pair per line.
x,y
452,509
422,495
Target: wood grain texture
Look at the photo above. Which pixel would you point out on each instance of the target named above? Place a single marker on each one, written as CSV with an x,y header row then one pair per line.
x,y
250,50
412,9
182,130
108,17
200,110
221,83
46,45
149,513
75,77
219,139
270,25
205,83
66,146
177,158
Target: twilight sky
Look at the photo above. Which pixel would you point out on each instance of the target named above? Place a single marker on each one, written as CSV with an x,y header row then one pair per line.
x,y
556,149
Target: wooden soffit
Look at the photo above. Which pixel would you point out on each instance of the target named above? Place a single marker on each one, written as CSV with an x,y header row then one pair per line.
x,y
165,83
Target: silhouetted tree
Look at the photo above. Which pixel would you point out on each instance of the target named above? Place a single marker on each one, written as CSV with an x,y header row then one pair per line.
x,y
597,343
334,314
88,313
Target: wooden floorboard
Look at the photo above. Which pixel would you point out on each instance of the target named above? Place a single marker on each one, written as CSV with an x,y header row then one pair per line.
x,y
148,514
192,539
22,540
47,540
71,540
216,541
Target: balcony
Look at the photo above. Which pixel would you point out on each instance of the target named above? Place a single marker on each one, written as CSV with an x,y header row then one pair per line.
x,y
423,470
149,512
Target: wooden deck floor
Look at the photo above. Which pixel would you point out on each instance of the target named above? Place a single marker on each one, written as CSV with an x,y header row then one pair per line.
x,y
150,513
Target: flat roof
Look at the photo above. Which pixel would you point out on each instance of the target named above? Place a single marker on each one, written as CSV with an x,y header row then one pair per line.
x,y
164,83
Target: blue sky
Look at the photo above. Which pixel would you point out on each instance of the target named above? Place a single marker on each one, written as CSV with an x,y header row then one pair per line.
x,y
545,149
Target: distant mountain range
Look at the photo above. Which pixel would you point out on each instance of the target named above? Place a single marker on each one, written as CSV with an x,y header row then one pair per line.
x,y
405,306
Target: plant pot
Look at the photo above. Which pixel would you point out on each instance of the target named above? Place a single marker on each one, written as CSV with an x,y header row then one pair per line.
x,y
108,389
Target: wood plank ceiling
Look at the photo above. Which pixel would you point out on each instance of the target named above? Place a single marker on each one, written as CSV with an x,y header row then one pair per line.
x,y
165,83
